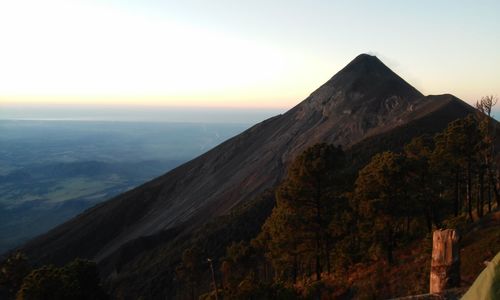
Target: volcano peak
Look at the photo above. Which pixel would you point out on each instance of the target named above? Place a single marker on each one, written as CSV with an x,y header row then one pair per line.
x,y
365,88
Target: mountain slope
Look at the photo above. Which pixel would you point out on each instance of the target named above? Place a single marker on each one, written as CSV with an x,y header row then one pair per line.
x,y
363,100
145,266
142,265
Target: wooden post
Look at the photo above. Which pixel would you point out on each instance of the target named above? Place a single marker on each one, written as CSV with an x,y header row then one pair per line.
x,y
445,263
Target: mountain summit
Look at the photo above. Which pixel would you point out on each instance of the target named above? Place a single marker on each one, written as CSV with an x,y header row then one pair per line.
x,y
364,96
366,79
364,100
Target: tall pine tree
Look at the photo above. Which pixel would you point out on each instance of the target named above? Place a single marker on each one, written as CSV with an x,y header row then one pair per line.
x,y
305,204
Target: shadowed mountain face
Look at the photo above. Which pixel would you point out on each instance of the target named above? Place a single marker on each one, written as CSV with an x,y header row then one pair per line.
x,y
364,100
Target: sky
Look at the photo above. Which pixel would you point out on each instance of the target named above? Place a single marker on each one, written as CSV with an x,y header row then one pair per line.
x,y
236,54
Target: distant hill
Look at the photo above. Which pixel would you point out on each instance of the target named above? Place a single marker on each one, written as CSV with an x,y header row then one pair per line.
x,y
137,237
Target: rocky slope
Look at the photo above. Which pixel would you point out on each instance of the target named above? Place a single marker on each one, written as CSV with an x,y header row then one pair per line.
x,y
365,101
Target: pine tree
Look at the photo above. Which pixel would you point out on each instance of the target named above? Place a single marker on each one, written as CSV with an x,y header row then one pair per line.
x,y
77,280
487,127
380,198
12,272
458,147
305,201
191,270
420,181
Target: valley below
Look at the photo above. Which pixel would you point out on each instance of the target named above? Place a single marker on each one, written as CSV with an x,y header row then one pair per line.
x,y
51,171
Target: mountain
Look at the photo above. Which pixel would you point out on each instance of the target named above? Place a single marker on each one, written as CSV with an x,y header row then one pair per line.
x,y
365,107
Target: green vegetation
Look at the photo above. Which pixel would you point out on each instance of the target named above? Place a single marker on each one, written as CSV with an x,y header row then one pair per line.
x,y
306,203
324,226
338,226
77,280
12,272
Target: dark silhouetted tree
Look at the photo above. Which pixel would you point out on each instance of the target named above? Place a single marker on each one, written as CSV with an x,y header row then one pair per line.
x,y
304,206
77,280
487,127
458,146
380,197
424,182
191,270
12,272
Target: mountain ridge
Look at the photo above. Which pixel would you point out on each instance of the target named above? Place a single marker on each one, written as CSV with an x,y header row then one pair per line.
x,y
365,99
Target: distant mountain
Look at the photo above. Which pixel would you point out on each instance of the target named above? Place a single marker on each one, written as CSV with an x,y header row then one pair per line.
x,y
365,107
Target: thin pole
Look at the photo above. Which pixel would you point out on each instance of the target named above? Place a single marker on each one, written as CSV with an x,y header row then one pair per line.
x,y
213,278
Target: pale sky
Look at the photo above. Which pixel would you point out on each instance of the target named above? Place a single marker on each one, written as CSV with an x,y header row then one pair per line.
x,y
229,53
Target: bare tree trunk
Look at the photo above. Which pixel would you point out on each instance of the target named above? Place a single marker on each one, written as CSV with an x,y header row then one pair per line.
x,y
390,246
495,188
481,194
295,269
460,194
489,197
445,263
327,254
318,258
469,191
477,198
457,192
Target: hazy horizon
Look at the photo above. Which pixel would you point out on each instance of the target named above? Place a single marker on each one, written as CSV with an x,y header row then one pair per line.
x,y
128,113
137,114
236,54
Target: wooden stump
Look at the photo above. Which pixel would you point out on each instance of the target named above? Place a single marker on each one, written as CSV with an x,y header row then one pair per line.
x,y
445,263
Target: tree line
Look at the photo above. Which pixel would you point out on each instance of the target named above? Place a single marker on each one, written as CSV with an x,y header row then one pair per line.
x,y
79,280
322,223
